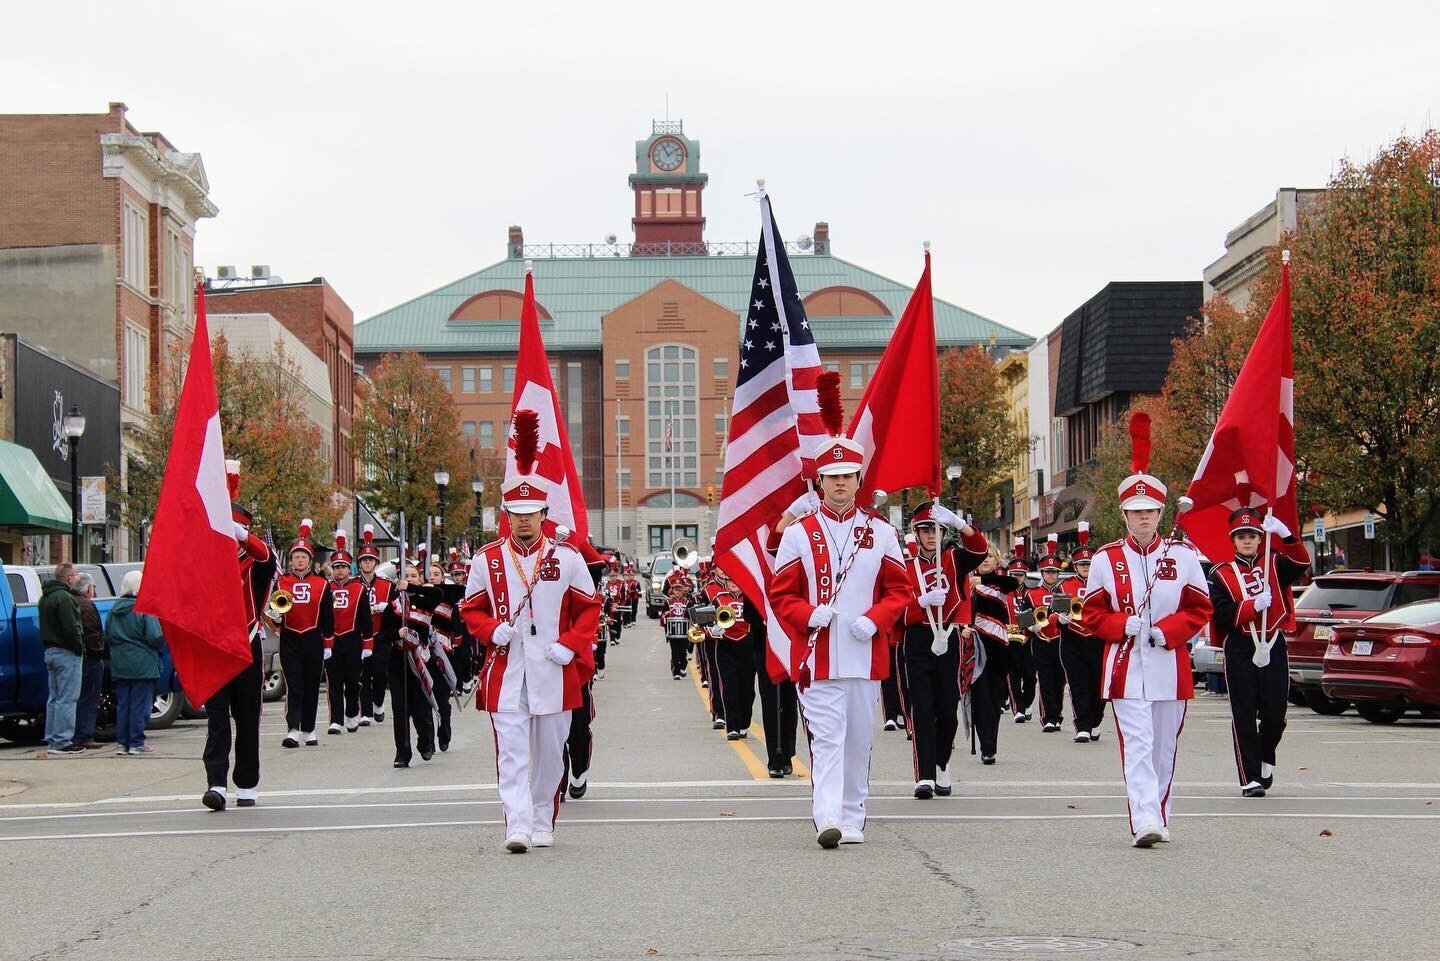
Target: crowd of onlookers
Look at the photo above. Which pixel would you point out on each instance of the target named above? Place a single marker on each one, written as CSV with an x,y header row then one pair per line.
x,y
76,646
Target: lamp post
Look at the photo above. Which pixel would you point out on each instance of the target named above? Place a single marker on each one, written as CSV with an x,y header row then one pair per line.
x,y
477,520
442,481
74,426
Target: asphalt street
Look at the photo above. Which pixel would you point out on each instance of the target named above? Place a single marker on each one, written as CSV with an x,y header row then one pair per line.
x,y
684,848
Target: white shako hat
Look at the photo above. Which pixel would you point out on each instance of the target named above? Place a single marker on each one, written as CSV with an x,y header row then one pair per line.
x,y
1141,490
526,492
835,454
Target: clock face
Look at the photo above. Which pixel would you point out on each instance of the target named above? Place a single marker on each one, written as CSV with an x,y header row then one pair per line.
x,y
667,154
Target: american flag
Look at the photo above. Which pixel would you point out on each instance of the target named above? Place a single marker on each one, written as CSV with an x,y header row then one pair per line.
x,y
669,433
776,417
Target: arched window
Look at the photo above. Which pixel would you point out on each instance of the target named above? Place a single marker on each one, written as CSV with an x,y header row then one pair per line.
x,y
662,499
494,305
672,397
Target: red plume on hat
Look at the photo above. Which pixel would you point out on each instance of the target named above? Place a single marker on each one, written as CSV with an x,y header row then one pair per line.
x,y
527,440
1082,533
368,534
232,478
342,540
832,411
306,526
1019,548
1140,443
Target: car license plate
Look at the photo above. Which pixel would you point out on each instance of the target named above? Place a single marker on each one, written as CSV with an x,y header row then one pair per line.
x,y
1324,632
1361,647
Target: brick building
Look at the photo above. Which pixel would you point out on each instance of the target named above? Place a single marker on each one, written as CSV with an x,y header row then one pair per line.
x,y
97,232
640,334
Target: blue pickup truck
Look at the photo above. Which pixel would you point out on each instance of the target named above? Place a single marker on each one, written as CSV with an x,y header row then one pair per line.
x,y
24,686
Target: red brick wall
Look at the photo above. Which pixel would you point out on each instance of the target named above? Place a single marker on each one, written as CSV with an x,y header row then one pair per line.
x,y
51,191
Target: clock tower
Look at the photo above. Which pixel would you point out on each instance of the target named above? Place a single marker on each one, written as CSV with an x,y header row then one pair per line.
x,y
669,214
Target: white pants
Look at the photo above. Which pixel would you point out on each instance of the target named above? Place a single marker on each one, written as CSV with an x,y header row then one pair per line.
x,y
530,767
840,718
1149,741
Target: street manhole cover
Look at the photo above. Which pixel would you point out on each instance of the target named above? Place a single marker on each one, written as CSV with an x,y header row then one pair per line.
x,y
1041,944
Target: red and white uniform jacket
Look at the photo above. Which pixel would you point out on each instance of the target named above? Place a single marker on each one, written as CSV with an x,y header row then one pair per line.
x,y
564,608
993,606
1165,585
814,552
955,563
1235,584
257,571
720,597
351,602
381,590
313,615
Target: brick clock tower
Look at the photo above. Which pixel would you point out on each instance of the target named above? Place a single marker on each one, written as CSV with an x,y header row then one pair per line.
x,y
669,214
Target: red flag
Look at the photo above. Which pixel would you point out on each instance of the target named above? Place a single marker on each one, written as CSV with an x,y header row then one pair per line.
x,y
898,421
535,390
1250,460
205,629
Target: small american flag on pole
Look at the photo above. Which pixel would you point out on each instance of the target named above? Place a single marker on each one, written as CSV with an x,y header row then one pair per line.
x,y
669,433
776,418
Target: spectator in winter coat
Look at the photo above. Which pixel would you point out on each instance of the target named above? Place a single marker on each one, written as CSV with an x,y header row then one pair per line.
x,y
135,643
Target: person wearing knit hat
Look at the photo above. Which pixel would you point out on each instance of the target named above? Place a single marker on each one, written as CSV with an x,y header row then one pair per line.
x,y
839,587
532,604
239,701
1080,654
1252,599
374,669
354,639
1146,598
1021,677
1046,604
307,638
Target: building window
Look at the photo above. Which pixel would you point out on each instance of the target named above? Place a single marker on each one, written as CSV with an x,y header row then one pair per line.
x,y
444,374
671,398
720,424
722,368
625,534
622,426
624,479
574,427
622,370
862,374
468,429
136,241
137,367
487,434
467,380
487,379
832,366
509,383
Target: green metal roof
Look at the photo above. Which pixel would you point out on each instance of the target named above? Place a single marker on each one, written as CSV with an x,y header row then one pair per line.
x,y
29,500
579,291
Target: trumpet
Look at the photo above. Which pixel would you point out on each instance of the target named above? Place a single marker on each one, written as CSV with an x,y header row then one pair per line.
x,y
696,634
1042,613
724,617
1076,605
281,601
1016,634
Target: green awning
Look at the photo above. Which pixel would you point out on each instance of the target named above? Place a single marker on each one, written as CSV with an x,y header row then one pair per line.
x,y
29,500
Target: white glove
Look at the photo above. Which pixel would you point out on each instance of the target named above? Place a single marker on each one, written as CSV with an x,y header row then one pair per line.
x,y
1133,624
1263,601
946,516
559,653
862,629
1158,637
366,653
821,616
935,598
1276,526
1147,635
503,635
1064,618
805,504
328,652
242,532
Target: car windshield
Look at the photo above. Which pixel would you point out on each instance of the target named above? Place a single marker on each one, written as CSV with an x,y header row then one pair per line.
x,y
1346,596
1411,615
661,566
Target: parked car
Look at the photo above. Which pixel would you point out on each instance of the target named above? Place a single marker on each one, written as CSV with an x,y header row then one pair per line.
x,y
1388,663
1334,600
655,599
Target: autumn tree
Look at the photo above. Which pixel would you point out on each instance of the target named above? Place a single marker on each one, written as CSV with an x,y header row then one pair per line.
x,y
406,429
976,430
286,465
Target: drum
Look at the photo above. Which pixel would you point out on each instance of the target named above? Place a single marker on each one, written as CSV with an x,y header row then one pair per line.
x,y
677,628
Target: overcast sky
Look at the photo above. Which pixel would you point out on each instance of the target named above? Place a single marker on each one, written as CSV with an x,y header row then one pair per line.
x,y
1044,149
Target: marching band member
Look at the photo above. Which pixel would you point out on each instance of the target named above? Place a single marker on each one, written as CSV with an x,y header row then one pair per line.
x,y
373,669
354,639
462,652
634,593
580,744
991,622
240,699
930,662
442,646
532,601
1251,600
307,633
1080,653
677,622
1146,598
1045,646
840,583
779,704
405,634
734,663
1022,655
709,649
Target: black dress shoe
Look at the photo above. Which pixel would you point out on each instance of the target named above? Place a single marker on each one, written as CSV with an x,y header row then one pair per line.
x,y
987,759
245,802
402,764
426,755
776,773
577,791
1253,791
214,800
787,769
1267,782
444,746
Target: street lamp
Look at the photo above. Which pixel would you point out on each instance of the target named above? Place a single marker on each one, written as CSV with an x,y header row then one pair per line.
x,y
477,520
442,481
74,426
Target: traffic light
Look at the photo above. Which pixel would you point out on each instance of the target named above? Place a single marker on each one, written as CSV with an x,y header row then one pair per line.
x,y
710,494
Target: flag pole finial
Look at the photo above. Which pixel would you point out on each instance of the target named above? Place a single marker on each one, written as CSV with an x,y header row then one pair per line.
x,y
925,244
1285,257
529,266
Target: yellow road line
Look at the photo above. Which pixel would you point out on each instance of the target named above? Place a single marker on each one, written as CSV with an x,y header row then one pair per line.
x,y
758,769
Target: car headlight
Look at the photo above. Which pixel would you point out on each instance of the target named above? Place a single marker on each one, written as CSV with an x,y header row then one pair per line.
x,y
656,585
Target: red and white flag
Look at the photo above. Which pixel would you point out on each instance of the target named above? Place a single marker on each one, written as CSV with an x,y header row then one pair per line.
x,y
194,531
898,420
776,417
1250,460
535,390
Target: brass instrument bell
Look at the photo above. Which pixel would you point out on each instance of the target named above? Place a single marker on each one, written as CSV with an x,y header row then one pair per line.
x,y
281,601
724,617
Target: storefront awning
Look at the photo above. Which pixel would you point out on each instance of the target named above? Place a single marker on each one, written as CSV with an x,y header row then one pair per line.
x,y
30,503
